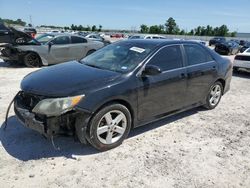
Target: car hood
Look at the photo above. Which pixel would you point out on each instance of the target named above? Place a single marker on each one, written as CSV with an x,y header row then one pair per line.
x,y
67,79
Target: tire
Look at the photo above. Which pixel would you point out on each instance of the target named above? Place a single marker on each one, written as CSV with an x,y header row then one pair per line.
x,y
90,52
214,95
32,60
104,133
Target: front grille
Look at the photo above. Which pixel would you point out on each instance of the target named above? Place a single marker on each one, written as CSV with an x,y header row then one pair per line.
x,y
242,57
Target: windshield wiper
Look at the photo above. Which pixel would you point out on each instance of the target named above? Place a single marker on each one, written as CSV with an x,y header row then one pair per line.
x,y
93,66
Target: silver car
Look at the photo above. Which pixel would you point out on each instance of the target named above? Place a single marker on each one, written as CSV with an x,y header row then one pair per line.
x,y
50,48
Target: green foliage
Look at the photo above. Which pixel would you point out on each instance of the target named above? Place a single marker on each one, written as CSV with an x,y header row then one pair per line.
x,y
171,26
93,28
144,28
14,22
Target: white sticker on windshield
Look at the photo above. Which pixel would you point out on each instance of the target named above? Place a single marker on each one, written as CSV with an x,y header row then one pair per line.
x,y
137,49
124,68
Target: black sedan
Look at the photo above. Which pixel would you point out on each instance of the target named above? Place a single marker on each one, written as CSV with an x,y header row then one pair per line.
x,y
119,87
244,47
216,40
227,48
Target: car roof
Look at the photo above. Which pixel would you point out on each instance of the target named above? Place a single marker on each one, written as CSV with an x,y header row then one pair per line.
x,y
64,34
158,42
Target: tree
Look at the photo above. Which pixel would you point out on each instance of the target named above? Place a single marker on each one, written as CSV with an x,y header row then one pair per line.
x,y
144,28
171,26
233,34
182,32
100,28
154,29
223,30
93,28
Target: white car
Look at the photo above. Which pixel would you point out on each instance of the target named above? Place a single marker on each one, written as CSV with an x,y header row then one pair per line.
x,y
147,37
242,60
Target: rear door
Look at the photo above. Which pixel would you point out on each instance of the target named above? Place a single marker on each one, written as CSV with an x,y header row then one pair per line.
x,y
78,48
201,72
166,92
59,51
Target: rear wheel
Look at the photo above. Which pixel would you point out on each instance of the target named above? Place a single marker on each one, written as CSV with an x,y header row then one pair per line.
x,y
214,95
109,127
31,59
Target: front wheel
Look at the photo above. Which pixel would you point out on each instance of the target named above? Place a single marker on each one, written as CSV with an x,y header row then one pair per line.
x,y
109,127
214,95
32,60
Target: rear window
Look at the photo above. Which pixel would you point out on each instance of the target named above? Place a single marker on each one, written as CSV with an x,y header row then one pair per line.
x,y
76,40
196,54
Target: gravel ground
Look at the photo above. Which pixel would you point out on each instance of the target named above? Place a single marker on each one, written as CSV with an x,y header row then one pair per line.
x,y
198,148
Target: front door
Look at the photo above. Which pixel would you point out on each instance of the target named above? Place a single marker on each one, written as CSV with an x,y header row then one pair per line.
x,y
163,93
59,50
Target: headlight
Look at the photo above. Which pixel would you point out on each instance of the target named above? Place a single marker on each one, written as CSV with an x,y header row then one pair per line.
x,y
56,106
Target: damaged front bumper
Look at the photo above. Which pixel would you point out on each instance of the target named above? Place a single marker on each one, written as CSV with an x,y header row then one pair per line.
x,y
9,53
71,123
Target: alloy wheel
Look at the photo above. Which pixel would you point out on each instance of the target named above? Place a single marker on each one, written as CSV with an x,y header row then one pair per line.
x,y
111,127
215,95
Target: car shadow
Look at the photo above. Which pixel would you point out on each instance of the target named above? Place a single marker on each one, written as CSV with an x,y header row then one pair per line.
x,y
25,144
242,74
11,65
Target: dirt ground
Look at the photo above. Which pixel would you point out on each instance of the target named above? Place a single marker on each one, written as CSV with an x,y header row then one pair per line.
x,y
198,148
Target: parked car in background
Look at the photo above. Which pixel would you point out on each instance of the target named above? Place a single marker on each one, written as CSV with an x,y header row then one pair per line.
x,y
141,36
121,86
97,37
13,36
50,48
216,40
227,48
117,35
242,60
31,31
200,41
246,46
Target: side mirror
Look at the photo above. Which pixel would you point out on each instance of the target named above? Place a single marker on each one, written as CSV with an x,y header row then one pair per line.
x,y
151,70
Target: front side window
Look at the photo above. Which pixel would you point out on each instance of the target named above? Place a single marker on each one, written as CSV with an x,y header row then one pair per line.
x,y
76,40
44,38
196,54
61,40
168,58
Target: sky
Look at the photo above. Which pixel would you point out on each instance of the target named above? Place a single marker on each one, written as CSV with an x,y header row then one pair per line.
x,y
128,14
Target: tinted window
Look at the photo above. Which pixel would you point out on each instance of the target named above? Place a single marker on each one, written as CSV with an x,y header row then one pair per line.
x,y
61,40
168,58
75,40
196,54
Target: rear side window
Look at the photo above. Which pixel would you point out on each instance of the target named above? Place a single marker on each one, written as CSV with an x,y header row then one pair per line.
x,y
168,58
196,54
61,40
76,40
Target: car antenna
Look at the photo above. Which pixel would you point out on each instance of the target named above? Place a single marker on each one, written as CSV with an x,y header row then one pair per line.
x,y
53,143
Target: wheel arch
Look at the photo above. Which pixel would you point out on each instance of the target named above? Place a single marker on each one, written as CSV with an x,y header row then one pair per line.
x,y
223,82
118,101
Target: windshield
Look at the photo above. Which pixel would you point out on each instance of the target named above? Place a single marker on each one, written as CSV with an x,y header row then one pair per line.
x,y
120,57
44,38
